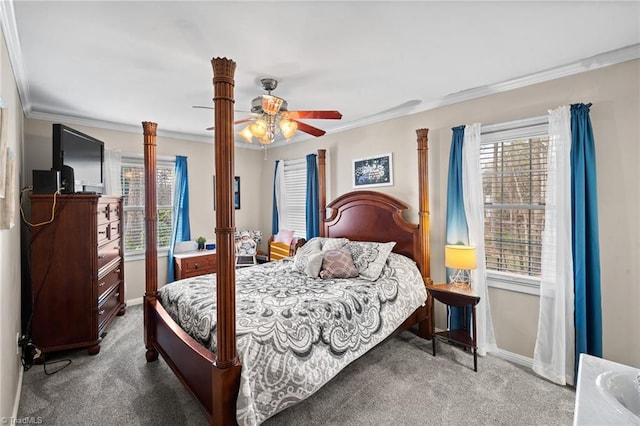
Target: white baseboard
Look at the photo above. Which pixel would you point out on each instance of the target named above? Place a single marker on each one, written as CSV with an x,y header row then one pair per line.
x,y
136,301
509,356
16,401
513,357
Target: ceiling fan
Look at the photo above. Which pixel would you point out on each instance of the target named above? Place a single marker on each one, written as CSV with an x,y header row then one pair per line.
x,y
271,117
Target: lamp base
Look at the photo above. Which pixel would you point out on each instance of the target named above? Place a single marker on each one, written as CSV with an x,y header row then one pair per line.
x,y
461,279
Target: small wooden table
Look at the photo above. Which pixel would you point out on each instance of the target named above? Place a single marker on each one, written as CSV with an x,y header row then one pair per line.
x,y
461,297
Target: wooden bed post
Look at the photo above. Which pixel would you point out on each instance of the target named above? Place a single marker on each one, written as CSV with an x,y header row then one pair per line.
x,y
322,188
226,371
151,250
426,326
423,190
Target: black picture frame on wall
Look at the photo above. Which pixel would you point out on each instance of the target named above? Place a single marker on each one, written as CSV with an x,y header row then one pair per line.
x,y
236,192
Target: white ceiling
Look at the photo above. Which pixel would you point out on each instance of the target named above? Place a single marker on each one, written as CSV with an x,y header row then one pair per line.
x,y
115,64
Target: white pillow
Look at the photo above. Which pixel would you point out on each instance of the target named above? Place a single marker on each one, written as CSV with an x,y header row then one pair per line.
x,y
369,257
308,258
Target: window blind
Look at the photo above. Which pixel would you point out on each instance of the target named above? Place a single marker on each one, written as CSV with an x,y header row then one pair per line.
x,y
133,194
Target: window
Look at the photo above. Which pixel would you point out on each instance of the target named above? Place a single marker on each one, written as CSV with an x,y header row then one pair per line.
x,y
294,216
132,179
514,176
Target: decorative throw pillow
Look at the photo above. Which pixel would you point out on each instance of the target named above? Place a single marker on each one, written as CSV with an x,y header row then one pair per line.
x,y
308,258
333,243
369,257
338,264
283,236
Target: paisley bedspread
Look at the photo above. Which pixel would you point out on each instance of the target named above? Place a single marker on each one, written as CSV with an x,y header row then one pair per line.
x,y
295,333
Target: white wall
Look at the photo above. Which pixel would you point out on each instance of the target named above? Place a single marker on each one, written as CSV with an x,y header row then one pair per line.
x,y
10,366
615,94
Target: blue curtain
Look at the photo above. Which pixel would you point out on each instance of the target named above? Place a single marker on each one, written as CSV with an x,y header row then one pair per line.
x,y
457,229
181,228
313,214
585,240
275,227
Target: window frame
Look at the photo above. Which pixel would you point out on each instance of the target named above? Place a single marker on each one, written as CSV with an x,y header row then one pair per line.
x,y
292,166
519,129
137,160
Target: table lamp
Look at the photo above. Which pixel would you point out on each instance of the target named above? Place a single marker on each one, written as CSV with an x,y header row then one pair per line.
x,y
462,259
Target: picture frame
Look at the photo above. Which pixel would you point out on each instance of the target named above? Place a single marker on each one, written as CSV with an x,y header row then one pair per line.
x,y
373,171
236,192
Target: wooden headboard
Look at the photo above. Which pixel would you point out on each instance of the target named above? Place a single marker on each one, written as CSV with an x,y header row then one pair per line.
x,y
373,216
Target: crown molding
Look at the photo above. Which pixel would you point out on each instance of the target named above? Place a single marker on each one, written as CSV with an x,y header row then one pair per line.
x,y
613,57
12,40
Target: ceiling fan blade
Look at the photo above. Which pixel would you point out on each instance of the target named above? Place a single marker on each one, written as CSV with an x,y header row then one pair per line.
x,y
244,120
201,106
321,115
313,131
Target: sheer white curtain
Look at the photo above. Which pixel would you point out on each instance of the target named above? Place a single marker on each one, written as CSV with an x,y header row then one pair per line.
x,y
112,166
553,356
281,190
474,212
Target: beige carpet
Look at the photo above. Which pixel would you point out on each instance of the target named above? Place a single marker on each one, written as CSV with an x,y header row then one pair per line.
x,y
399,382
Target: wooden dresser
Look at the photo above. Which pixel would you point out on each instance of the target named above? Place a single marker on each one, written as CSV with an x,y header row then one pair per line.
x,y
77,270
194,263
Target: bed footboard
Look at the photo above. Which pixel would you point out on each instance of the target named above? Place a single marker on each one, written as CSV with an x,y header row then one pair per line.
x,y
215,388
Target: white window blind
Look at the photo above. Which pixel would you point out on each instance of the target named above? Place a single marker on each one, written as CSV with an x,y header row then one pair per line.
x,y
514,176
132,178
295,178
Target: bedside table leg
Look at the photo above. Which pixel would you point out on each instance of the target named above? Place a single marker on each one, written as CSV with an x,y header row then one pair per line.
x,y
475,340
433,326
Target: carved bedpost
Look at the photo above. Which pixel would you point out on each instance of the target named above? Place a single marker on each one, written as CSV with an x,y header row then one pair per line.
x,y
322,187
423,191
150,218
425,326
226,372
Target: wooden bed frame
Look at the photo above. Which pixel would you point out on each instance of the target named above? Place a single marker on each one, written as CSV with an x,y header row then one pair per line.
x,y
360,216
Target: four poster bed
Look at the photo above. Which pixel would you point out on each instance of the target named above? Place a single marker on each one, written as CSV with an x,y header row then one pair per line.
x,y
317,326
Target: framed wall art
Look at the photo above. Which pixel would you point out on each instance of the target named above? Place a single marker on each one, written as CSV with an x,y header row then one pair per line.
x,y
373,171
236,192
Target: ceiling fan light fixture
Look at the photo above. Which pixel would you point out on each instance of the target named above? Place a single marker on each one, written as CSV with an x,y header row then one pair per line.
x,y
271,104
258,128
246,134
288,128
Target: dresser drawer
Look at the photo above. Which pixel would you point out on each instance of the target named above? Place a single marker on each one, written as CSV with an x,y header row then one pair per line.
x,y
109,307
197,265
108,231
110,277
107,253
108,211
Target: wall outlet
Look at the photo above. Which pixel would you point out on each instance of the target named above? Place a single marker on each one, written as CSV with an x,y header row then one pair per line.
x,y
18,343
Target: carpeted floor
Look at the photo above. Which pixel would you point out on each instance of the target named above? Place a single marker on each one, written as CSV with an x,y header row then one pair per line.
x,y
399,382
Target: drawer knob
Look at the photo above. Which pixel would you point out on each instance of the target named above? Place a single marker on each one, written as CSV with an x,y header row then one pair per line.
x,y
196,265
101,284
101,256
102,232
100,312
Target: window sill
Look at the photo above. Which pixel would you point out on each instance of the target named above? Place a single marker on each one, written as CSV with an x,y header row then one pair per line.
x,y
518,284
133,257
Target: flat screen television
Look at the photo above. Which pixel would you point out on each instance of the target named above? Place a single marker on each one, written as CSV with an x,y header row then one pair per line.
x,y
80,160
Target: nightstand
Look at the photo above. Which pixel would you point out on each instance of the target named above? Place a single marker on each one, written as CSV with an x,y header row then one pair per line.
x,y
460,297
194,263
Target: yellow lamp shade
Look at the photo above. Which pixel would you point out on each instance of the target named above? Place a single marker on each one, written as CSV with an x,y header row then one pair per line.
x,y
460,257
